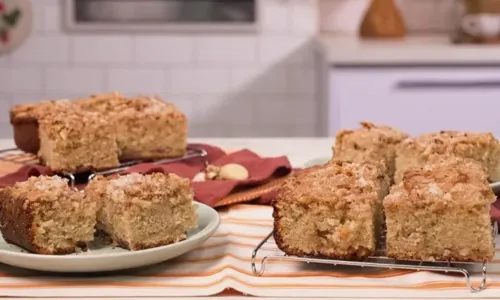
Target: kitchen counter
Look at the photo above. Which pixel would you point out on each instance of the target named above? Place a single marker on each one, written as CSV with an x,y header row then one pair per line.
x,y
298,150
414,50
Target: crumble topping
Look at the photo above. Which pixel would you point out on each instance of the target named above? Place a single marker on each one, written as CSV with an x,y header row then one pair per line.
x,y
451,178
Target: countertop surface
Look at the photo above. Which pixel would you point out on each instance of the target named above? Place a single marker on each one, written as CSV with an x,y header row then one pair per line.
x,y
298,150
412,50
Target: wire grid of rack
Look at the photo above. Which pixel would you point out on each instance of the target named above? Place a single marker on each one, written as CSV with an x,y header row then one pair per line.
x,y
378,260
16,156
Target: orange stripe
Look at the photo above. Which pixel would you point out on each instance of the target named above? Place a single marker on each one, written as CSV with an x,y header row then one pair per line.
x,y
253,221
215,245
295,274
381,274
239,235
376,275
248,259
247,223
436,285
247,207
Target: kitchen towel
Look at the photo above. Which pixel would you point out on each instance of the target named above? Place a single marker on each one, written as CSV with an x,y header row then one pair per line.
x,y
224,262
265,175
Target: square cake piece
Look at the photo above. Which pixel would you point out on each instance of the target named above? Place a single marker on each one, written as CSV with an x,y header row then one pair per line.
x,y
45,216
441,212
151,129
147,127
370,142
24,120
482,147
74,141
144,211
333,210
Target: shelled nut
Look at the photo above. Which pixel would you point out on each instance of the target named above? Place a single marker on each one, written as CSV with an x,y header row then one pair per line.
x,y
199,177
233,172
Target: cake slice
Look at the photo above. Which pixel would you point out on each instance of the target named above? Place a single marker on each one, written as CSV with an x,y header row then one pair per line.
x,y
24,120
441,212
151,129
144,211
147,127
482,147
370,142
334,210
75,141
45,216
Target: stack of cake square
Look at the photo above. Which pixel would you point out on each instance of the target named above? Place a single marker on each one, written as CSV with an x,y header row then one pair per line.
x,y
439,208
98,132
45,216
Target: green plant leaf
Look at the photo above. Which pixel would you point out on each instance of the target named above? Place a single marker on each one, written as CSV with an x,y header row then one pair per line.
x,y
12,18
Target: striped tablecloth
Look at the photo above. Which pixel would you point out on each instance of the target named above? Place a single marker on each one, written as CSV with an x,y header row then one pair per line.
x,y
223,262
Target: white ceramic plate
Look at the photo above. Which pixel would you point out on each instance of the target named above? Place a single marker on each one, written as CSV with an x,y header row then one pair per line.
x,y
495,186
317,161
108,258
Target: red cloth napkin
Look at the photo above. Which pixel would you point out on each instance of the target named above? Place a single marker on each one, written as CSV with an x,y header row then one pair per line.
x,y
495,211
261,170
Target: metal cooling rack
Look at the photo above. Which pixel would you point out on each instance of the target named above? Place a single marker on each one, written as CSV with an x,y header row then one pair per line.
x,y
379,260
16,156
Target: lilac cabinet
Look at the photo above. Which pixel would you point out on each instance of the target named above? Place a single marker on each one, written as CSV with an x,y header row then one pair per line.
x,y
416,100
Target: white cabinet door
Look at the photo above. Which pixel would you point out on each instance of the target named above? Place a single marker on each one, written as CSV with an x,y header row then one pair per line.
x,y
416,100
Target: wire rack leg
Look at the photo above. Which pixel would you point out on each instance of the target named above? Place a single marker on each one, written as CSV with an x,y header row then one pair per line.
x,y
259,271
468,281
72,179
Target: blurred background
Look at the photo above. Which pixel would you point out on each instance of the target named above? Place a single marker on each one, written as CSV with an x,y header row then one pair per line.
x,y
263,68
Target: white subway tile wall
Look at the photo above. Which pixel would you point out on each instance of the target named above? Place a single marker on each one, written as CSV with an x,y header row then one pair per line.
x,y
249,84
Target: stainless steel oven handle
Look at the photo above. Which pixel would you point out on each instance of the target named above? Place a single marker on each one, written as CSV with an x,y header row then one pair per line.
x,y
447,84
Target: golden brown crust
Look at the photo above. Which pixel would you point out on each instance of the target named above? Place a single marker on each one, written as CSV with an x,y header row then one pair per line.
x,y
140,122
144,211
441,212
24,119
331,210
370,142
146,127
447,180
102,103
26,136
16,221
483,147
140,127
75,140
22,203
332,182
